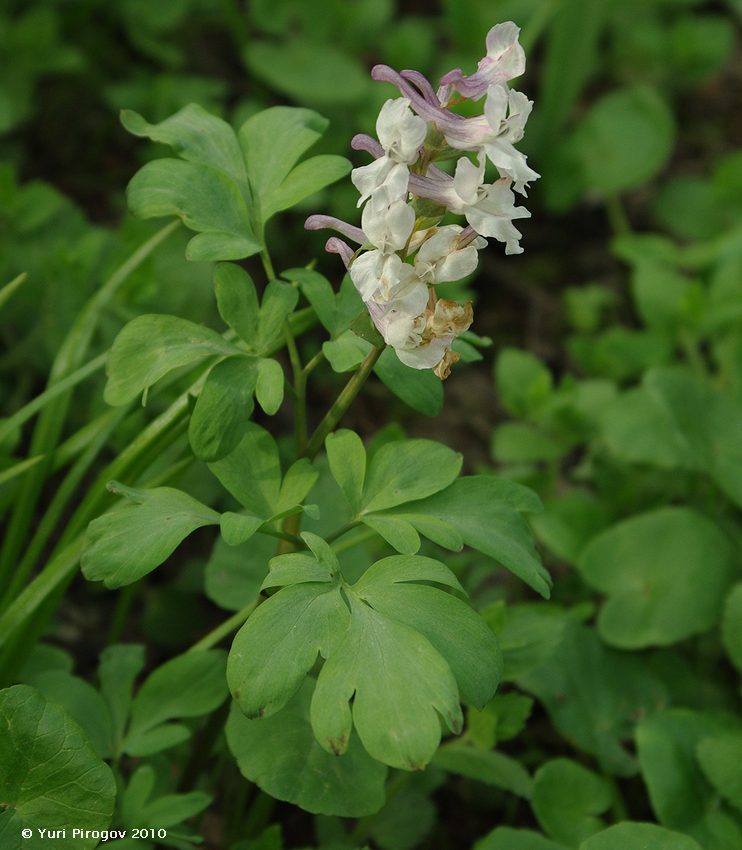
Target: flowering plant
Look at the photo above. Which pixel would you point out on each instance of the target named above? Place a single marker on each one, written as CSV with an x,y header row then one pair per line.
x,y
404,249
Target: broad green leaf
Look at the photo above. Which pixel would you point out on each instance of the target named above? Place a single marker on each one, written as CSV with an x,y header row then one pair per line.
x,y
398,533
708,421
205,200
569,521
269,386
624,140
279,299
505,838
335,311
647,836
486,766
720,757
731,626
529,635
567,798
300,478
282,756
189,685
196,135
151,346
224,405
657,596
84,705
346,455
418,388
452,627
280,642
126,544
523,383
407,818
238,528
519,442
484,510
207,189
273,141
234,573
407,470
594,695
346,352
401,690
237,300
308,73
118,667
138,805
681,796
251,472
52,778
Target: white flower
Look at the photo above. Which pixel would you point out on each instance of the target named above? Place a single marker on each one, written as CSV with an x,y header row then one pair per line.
x,y
507,111
441,257
382,277
505,60
401,133
387,221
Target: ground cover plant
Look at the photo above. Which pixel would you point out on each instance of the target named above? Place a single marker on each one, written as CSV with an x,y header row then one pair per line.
x,y
371,475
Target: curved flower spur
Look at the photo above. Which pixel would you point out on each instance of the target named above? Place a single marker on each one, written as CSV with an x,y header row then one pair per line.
x,y
404,251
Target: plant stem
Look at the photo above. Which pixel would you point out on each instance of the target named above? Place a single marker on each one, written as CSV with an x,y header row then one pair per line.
x,y
342,403
617,217
300,391
341,531
224,629
265,258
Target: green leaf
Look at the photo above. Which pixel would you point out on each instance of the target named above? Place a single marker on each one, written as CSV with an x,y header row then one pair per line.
x,y
237,300
681,796
189,685
269,388
204,199
594,695
408,470
524,384
398,533
399,721
647,836
280,642
452,627
279,299
237,529
56,781
731,626
486,766
208,190
281,755
657,596
84,705
720,757
347,458
419,389
300,478
529,636
196,135
126,544
234,573
251,472
484,510
346,352
568,522
335,311
624,140
151,346
309,73
223,407
138,806
119,666
505,838
567,798
273,141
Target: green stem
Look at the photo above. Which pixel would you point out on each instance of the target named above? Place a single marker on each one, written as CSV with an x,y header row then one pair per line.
x,y
223,630
350,542
265,258
38,403
342,403
300,391
341,531
617,217
7,292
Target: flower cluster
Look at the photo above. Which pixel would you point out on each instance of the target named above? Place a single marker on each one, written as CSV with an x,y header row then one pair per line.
x,y
404,250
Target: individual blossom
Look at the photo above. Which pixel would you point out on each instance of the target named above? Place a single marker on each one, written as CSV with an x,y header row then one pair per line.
x,y
401,133
404,251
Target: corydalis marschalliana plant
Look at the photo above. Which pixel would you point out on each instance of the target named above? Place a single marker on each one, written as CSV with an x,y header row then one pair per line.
x,y
404,249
